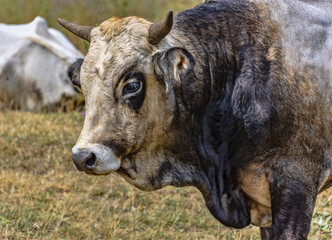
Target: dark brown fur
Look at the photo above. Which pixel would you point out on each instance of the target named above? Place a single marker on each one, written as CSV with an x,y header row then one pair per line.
x,y
226,106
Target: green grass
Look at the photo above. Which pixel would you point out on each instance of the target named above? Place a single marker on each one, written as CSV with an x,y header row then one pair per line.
x,y
43,196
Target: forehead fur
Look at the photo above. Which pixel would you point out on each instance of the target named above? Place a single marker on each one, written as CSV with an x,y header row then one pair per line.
x,y
118,42
131,25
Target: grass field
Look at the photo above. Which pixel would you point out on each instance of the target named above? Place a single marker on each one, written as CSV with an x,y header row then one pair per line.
x,y
42,196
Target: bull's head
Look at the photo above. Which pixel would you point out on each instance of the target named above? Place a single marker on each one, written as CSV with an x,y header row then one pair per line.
x,y
128,79
146,102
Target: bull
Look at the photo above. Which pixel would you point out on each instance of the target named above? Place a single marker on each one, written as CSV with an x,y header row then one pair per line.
x,y
232,97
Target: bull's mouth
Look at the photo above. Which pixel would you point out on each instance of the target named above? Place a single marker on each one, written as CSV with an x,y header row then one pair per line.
x,y
97,159
97,174
127,172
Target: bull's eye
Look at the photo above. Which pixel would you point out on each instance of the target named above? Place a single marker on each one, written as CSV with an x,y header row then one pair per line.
x,y
133,91
132,87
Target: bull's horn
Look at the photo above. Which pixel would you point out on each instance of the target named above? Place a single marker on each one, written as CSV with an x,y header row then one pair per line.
x,y
158,31
81,31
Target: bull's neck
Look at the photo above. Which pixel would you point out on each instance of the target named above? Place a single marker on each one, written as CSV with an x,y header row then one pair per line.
x,y
221,44
230,49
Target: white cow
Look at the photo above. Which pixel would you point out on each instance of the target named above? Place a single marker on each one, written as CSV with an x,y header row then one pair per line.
x,y
33,63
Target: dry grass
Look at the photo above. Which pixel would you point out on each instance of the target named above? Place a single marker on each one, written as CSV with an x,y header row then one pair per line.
x,y
42,196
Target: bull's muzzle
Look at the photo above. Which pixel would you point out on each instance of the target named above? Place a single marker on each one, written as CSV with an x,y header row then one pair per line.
x,y
95,159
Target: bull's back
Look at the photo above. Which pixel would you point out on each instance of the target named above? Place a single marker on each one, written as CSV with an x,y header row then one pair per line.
x,y
305,29
307,44
306,35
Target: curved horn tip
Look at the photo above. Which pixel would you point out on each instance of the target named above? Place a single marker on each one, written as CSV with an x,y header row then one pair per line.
x,y
81,31
169,14
158,31
62,22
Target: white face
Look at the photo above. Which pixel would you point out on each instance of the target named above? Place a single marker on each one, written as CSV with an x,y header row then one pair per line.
x,y
127,111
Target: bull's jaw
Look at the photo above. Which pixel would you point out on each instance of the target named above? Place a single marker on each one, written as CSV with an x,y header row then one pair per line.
x,y
95,159
150,172
137,170
128,169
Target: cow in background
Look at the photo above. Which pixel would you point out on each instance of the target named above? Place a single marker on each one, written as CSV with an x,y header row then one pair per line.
x,y
32,62
232,97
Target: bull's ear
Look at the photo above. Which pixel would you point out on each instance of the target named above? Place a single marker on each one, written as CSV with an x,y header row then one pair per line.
x,y
173,64
74,72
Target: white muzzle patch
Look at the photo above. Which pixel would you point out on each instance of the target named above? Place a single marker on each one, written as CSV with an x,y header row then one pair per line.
x,y
105,160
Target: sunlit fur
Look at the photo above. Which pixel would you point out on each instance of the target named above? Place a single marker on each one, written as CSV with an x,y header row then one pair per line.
x,y
112,51
235,104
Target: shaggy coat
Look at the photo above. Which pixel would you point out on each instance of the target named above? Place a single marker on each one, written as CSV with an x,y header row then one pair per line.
x,y
235,100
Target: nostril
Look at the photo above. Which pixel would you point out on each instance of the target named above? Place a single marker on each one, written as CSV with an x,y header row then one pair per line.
x,y
91,162
84,160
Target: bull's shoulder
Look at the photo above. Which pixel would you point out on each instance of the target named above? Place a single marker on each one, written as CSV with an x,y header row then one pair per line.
x,y
305,34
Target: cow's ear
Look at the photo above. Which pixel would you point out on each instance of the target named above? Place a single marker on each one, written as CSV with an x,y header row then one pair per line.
x,y
173,64
74,72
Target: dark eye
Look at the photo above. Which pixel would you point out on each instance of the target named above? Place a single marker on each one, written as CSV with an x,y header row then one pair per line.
x,y
131,87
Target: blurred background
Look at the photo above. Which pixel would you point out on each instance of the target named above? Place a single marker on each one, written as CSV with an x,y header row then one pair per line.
x,y
87,12
42,195
31,78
